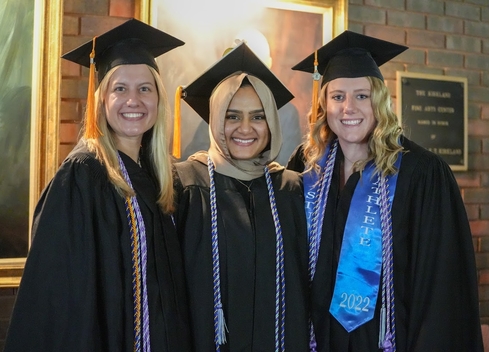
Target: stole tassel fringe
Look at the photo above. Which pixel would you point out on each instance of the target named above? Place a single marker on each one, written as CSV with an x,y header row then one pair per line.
x,y
382,327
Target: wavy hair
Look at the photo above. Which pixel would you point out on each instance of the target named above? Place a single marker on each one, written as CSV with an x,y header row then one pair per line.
x,y
157,138
383,143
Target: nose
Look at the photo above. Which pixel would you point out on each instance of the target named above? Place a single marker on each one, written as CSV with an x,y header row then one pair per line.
x,y
132,99
349,105
245,125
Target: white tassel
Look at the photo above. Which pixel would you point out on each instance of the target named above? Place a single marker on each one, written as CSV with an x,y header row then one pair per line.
x,y
221,327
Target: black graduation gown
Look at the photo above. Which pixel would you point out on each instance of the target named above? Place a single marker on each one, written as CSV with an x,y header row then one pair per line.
x,y
76,290
247,258
435,282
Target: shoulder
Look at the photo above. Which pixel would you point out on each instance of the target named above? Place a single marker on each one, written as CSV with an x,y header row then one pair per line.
x,y
82,164
297,161
289,180
191,172
417,157
419,166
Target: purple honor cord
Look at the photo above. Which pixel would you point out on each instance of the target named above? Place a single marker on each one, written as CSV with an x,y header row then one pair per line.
x,y
137,225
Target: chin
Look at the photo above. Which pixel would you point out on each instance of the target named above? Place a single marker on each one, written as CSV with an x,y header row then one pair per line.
x,y
240,156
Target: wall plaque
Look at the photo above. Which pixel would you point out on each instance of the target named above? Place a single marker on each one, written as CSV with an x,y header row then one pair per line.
x,y
433,112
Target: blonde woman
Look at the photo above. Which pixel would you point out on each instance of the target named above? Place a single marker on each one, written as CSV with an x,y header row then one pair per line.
x,y
104,272
392,262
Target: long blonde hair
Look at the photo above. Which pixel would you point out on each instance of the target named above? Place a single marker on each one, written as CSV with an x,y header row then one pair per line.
x,y
105,148
383,143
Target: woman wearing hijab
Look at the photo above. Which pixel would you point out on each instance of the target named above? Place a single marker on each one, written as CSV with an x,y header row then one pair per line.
x,y
240,216
392,263
104,272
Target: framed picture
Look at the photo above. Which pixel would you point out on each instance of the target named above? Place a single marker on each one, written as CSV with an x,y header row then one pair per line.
x,y
30,33
281,33
433,112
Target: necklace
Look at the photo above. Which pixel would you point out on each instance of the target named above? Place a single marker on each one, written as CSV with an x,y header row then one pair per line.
x,y
244,184
352,162
140,154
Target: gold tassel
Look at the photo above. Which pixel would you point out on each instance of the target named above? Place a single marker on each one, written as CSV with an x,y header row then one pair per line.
x,y
315,88
176,150
91,129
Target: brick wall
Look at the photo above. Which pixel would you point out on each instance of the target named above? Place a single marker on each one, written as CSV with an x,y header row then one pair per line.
x,y
445,37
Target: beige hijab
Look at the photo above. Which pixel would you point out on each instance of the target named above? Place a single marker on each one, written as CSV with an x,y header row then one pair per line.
x,y
218,151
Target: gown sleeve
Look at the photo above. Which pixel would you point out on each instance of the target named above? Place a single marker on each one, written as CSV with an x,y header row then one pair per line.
x,y
58,304
436,252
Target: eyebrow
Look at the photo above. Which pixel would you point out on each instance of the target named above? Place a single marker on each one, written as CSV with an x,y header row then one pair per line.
x,y
355,91
253,111
124,82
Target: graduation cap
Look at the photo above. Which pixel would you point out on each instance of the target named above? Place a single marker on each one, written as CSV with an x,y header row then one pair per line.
x,y
349,55
131,43
239,59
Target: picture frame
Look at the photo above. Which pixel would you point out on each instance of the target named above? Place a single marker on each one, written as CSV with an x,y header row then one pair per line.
x,y
40,138
433,111
210,27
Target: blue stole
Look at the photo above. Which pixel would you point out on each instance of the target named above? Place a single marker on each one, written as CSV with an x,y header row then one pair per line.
x,y
359,269
311,189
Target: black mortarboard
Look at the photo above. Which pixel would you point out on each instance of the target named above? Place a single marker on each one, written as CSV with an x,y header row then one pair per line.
x,y
238,60
133,42
351,55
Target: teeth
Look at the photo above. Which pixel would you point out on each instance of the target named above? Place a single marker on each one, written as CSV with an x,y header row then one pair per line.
x,y
132,115
243,140
351,122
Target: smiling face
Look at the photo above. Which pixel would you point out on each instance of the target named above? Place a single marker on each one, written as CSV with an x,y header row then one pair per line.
x,y
349,110
131,103
245,126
